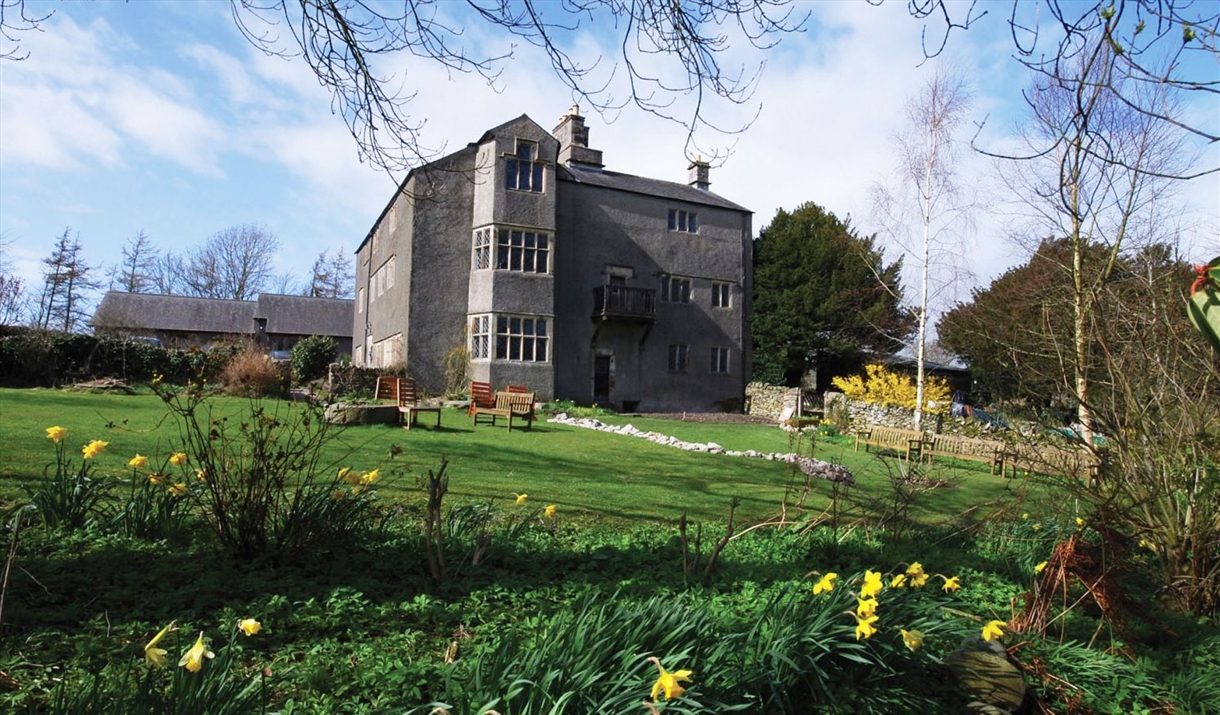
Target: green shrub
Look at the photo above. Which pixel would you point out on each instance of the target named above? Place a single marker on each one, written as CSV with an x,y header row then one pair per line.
x,y
36,357
311,356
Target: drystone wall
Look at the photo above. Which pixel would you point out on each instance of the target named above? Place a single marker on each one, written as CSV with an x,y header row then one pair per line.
x,y
863,413
769,400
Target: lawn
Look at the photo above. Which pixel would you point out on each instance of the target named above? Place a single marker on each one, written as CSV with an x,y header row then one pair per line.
x,y
594,474
538,614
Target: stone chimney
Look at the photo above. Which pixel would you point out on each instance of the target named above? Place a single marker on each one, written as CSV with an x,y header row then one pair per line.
x,y
698,174
573,138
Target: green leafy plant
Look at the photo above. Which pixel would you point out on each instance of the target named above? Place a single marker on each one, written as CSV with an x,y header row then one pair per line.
x,y
311,356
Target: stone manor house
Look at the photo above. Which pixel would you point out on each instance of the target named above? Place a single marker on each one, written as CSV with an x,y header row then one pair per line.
x,y
525,260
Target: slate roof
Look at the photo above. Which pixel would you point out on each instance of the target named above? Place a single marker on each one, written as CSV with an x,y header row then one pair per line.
x,y
174,312
303,315
646,186
285,314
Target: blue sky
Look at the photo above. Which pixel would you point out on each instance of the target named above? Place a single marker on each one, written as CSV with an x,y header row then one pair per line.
x,y
159,116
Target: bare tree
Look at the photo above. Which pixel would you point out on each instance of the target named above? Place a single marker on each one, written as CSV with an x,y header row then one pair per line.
x,y
926,213
67,280
1097,175
168,274
333,277
12,288
234,264
137,271
1152,43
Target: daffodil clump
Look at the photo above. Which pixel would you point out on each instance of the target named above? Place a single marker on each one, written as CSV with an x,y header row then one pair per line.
x,y
71,498
901,602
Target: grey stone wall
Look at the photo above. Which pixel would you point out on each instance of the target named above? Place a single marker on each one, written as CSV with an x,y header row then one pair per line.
x,y
600,227
769,400
862,413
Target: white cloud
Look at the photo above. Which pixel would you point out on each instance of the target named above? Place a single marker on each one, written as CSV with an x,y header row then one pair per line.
x,y
76,100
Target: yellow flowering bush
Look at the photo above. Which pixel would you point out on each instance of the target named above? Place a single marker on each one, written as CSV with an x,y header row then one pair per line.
x,y
884,387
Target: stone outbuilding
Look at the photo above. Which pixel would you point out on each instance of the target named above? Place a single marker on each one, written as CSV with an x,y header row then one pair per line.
x,y
276,322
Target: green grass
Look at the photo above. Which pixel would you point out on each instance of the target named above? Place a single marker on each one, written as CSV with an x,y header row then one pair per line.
x,y
593,474
365,630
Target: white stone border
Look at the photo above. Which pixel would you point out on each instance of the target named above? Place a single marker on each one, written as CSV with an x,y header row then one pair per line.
x,y
808,465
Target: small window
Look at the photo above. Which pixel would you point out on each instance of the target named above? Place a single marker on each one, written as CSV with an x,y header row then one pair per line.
x,y
679,356
480,337
683,221
721,293
360,302
720,361
675,289
523,172
482,249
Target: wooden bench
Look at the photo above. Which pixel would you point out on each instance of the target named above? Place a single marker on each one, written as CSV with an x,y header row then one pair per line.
x,y
909,442
387,388
408,404
1078,463
481,395
991,453
509,405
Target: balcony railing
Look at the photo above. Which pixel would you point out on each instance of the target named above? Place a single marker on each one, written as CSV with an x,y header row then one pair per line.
x,y
613,302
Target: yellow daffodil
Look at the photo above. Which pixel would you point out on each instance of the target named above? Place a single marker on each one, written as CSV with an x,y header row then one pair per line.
x,y
155,478
668,682
866,607
1025,515
549,511
872,584
249,626
350,476
192,660
1040,567
156,381
94,448
1079,522
201,475
137,461
951,584
826,584
993,630
914,569
56,433
178,490
899,581
919,581
918,576
153,655
178,459
369,477
521,499
912,639
865,627
1036,527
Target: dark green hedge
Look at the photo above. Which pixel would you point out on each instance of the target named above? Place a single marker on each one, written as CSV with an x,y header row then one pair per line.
x,y
31,358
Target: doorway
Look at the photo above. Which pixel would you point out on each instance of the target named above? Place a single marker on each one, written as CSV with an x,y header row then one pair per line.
x,y
602,366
